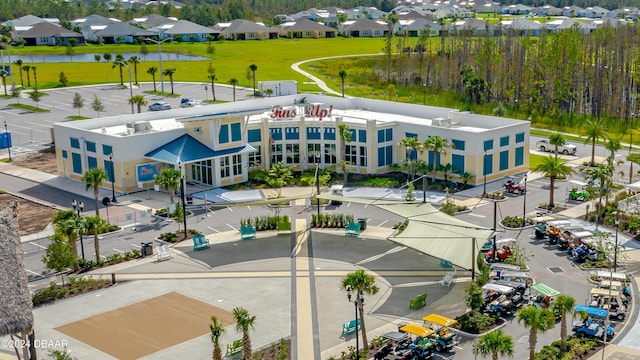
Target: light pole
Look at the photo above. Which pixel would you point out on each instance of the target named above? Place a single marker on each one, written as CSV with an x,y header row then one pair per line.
x,y
318,181
615,250
424,94
130,84
79,207
359,299
484,170
424,189
113,177
159,42
586,218
6,134
524,203
516,106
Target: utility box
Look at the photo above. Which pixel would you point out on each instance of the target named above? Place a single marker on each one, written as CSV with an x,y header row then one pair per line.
x,y
5,140
146,249
278,88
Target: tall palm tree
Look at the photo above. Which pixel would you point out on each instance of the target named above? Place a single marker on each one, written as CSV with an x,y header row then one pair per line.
x,y
410,145
119,62
234,82
345,138
494,343
152,71
537,320
139,101
72,226
93,178
169,72
216,330
35,77
557,139
27,68
168,179
553,167
253,68
135,61
96,225
213,79
612,145
359,281
602,174
564,305
19,63
342,74
244,322
593,129
438,145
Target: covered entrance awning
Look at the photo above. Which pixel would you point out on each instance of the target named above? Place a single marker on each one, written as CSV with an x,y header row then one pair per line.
x,y
187,149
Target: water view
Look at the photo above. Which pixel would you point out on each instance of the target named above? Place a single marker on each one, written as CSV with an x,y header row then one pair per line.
x,y
152,56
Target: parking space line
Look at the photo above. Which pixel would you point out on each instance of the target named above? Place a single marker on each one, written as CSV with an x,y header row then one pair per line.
x,y
212,229
34,273
230,209
38,245
229,225
382,223
120,251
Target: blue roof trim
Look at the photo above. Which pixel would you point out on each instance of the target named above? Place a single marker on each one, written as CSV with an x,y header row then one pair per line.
x,y
186,149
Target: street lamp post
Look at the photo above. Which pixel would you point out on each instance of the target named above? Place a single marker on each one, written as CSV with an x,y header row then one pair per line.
x,y
130,84
359,299
516,105
159,42
6,134
484,171
424,94
586,218
615,250
113,177
524,203
79,207
183,188
318,181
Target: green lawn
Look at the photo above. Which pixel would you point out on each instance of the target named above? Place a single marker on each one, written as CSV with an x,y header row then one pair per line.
x,y
535,159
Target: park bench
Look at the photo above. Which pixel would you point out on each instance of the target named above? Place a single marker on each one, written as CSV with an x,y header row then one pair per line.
x,y
247,232
418,302
234,348
350,327
164,252
352,229
200,243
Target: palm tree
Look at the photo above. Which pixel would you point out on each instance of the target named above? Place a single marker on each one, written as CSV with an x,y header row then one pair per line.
x,y
244,322
612,145
557,139
72,226
169,72
135,61
494,343
438,145
96,225
93,178
19,63
152,71
360,281
138,100
537,320
119,62
593,129
27,68
564,305
234,82
342,74
3,75
213,79
603,174
253,68
410,144
168,179
35,77
345,138
553,167
216,330
466,177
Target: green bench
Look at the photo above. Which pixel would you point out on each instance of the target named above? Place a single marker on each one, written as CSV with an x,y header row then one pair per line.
x,y
200,243
247,232
350,327
352,229
234,348
418,302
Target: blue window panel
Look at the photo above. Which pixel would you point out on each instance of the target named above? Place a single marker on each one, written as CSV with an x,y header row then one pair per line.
x,y
77,163
91,146
488,145
458,144
64,154
519,137
362,136
457,164
236,132
380,136
107,149
410,135
329,133
504,141
276,133
75,143
223,135
292,133
487,167
380,156
388,134
519,156
108,167
353,134
92,162
254,135
504,160
389,155
313,133
430,159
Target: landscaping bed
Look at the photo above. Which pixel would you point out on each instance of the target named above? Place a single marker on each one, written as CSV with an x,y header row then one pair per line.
x,y
75,286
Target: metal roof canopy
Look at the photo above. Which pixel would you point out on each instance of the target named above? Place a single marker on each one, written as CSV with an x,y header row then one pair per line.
x,y
545,290
186,149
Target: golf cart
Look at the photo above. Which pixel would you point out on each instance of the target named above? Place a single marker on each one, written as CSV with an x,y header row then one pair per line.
x,y
542,295
515,185
589,327
520,287
502,254
499,243
422,346
395,346
583,252
337,191
500,299
579,194
608,300
572,239
442,338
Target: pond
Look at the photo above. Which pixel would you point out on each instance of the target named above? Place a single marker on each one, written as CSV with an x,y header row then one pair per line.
x,y
152,56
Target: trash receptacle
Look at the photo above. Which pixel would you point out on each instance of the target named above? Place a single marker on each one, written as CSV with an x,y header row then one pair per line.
x,y
146,249
363,223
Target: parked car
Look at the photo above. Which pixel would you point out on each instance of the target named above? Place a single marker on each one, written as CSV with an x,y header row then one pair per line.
x,y
158,106
566,149
189,102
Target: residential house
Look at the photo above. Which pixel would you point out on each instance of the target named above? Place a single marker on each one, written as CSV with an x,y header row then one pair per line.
x,y
364,28
184,31
122,33
624,13
471,27
152,20
610,22
515,9
311,14
89,25
246,30
414,28
594,12
585,27
305,28
45,33
572,11
521,26
26,22
362,12
487,8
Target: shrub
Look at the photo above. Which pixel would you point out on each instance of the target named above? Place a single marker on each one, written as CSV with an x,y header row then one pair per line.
x,y
475,322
